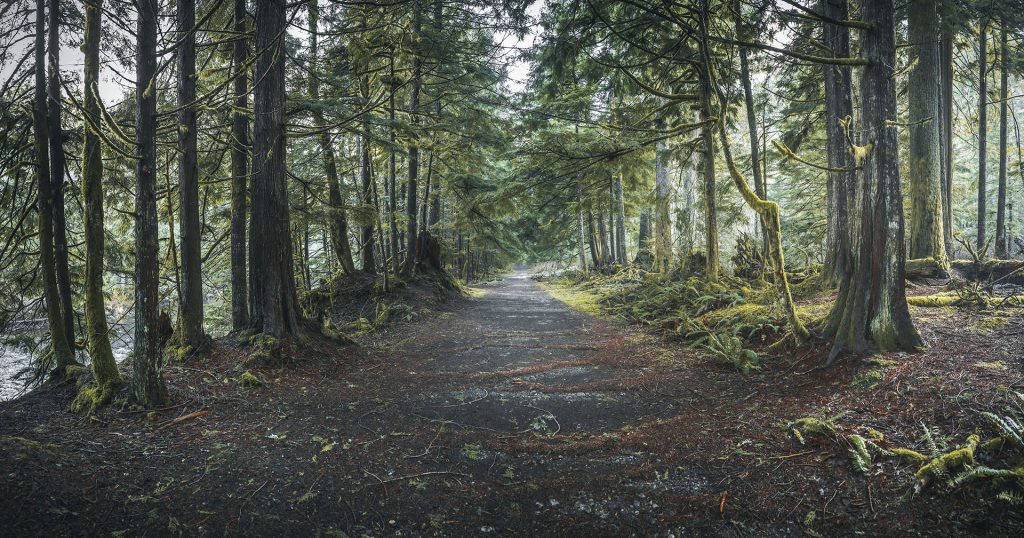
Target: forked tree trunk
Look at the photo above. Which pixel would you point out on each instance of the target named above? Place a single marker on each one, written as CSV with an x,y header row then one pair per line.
x,y
147,357
620,221
871,308
927,239
274,308
60,346
104,366
239,172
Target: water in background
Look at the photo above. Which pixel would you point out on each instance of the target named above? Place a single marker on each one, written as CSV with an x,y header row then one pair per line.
x,y
15,359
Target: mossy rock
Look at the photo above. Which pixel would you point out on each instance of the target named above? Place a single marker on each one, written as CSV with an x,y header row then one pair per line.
x,y
250,380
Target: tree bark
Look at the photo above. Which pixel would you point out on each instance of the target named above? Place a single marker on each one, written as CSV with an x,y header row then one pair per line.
x,y
927,239
104,366
392,175
871,307
662,219
338,217
147,358
840,199
982,133
239,172
712,264
57,165
274,308
414,150
620,221
366,178
755,149
581,240
1004,65
946,114
191,321
62,353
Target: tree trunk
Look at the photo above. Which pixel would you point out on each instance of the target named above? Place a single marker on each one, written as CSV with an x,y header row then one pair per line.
x,y
662,219
840,187
147,357
239,172
602,236
712,264
274,308
191,321
338,216
946,125
644,257
366,178
1004,52
392,176
104,366
581,239
755,149
620,221
595,255
61,347
414,150
871,308
613,252
982,133
60,236
927,239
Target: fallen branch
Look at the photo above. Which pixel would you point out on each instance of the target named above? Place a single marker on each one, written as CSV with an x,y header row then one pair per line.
x,y
183,418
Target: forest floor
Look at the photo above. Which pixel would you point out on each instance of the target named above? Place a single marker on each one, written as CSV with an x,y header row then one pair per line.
x,y
510,413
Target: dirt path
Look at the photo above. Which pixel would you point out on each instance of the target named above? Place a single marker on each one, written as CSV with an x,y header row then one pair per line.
x,y
503,414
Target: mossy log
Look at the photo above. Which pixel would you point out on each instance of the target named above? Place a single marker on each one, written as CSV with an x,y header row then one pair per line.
x,y
926,268
990,270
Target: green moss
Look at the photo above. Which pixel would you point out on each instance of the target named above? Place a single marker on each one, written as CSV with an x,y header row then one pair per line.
x,y
867,380
942,466
934,301
908,454
176,353
578,299
811,426
991,323
249,380
23,447
473,451
747,314
91,397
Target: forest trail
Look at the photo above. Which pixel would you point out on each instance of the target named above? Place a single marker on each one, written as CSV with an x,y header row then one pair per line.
x,y
506,413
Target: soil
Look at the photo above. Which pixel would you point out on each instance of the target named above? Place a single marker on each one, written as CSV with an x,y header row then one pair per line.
x,y
509,413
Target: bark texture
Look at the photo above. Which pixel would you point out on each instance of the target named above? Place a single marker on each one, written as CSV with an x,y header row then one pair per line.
x,y
239,172
148,387
104,366
871,307
57,165
927,239
191,321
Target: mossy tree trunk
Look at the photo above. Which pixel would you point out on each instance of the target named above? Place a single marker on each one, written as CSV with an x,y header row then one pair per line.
x,y
768,211
104,366
748,100
871,307
927,239
147,359
840,187
239,172
191,321
62,353
274,306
